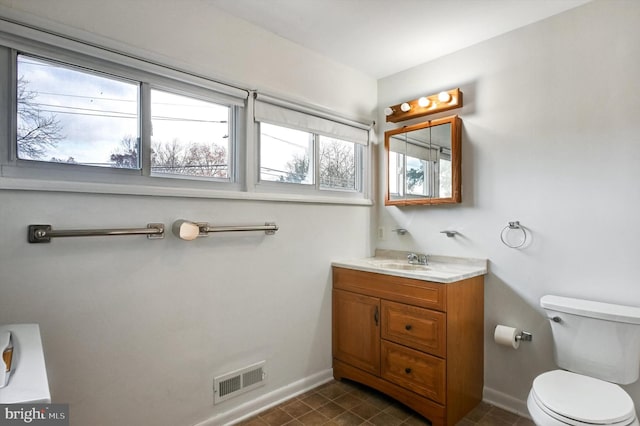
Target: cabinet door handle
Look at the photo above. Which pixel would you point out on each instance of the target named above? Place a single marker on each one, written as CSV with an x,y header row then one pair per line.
x,y
407,370
376,315
408,327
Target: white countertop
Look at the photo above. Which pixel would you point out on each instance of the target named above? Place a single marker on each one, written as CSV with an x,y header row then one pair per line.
x,y
440,269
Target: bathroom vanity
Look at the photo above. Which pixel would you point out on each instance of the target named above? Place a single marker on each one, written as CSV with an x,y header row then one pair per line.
x,y
413,332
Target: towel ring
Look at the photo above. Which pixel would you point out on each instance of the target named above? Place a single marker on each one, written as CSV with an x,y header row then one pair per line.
x,y
513,226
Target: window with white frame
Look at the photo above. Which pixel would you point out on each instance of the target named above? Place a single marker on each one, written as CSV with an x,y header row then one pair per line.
x,y
286,155
307,149
75,116
340,164
70,115
85,118
77,113
189,136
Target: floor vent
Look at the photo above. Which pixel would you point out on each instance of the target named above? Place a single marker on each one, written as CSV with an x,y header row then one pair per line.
x,y
238,382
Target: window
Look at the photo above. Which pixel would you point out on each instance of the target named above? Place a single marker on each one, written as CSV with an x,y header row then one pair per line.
x,y
418,177
286,155
73,116
444,174
78,114
309,149
189,137
90,119
428,170
339,164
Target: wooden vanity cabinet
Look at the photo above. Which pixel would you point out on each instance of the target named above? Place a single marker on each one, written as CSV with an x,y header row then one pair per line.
x,y
417,341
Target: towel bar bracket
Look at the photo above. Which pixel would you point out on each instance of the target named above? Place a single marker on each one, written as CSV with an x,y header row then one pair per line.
x,y
39,233
272,230
159,227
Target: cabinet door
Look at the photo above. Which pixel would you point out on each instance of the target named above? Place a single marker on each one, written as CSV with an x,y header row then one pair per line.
x,y
356,332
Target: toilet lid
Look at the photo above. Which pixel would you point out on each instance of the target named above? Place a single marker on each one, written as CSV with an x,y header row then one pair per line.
x,y
582,398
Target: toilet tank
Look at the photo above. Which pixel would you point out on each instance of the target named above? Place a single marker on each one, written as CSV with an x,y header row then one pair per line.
x,y
596,339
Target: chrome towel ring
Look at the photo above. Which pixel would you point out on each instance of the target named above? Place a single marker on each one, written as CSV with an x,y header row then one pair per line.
x,y
513,226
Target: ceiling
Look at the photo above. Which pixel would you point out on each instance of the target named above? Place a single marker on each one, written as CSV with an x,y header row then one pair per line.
x,y
383,37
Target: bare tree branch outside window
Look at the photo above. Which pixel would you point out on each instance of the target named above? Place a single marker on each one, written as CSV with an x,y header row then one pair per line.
x,y
337,164
37,131
195,159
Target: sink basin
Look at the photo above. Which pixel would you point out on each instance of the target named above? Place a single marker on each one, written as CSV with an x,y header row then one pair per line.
x,y
400,266
440,269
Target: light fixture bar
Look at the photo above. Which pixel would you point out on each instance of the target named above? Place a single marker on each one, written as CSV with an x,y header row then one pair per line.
x,y
424,105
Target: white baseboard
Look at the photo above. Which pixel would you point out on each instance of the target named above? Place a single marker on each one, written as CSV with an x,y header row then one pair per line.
x,y
264,402
506,402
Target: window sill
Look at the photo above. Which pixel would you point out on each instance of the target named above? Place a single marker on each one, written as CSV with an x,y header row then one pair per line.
x,y
22,184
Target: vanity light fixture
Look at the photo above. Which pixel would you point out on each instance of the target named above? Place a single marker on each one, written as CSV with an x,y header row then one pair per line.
x,y
425,105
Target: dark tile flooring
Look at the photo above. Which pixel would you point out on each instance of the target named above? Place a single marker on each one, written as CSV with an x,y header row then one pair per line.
x,y
346,403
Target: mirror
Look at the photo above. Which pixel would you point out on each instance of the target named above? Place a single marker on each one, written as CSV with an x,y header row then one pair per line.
x,y
423,163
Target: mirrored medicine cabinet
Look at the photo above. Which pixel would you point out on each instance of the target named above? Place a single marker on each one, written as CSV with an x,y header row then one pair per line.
x,y
423,163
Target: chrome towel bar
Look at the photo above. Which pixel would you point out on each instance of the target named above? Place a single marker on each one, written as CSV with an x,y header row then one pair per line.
x,y
187,230
44,233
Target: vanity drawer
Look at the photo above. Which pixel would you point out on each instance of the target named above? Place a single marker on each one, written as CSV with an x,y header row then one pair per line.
x,y
399,289
417,371
418,328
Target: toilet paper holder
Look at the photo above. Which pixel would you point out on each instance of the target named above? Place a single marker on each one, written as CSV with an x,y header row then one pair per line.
x,y
524,336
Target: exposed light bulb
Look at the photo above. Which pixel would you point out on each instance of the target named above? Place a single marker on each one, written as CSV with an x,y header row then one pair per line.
x,y
405,107
444,97
388,111
424,102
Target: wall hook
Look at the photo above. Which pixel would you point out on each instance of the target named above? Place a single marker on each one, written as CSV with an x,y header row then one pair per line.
x,y
449,233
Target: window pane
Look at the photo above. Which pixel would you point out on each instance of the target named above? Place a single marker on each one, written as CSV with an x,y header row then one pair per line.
x,y
190,137
286,155
396,174
338,164
417,177
445,182
68,115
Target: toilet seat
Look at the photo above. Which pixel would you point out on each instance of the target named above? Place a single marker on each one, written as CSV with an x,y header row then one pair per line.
x,y
575,399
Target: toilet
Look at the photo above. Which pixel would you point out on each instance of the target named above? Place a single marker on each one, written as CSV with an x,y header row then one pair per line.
x,y
597,346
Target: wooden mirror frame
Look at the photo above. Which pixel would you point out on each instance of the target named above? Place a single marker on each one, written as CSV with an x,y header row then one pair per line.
x,y
456,163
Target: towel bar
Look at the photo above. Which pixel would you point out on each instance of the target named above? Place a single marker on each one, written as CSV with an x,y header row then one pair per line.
x,y
44,233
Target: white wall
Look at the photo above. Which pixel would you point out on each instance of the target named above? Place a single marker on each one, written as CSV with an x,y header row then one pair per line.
x,y
135,330
551,138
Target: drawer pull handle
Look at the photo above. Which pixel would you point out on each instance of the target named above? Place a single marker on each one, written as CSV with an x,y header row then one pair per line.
x,y
407,370
408,327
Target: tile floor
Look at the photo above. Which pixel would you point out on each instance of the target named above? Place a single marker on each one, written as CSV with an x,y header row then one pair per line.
x,y
347,403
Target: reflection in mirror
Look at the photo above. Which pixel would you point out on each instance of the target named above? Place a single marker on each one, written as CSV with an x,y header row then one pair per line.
x,y
423,163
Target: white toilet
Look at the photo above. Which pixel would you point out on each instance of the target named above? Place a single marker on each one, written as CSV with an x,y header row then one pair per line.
x,y
599,344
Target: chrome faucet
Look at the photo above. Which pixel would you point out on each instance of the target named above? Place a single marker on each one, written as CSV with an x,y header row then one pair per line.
x,y
417,259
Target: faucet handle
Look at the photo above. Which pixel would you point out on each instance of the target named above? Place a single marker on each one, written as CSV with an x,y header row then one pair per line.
x,y
419,259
